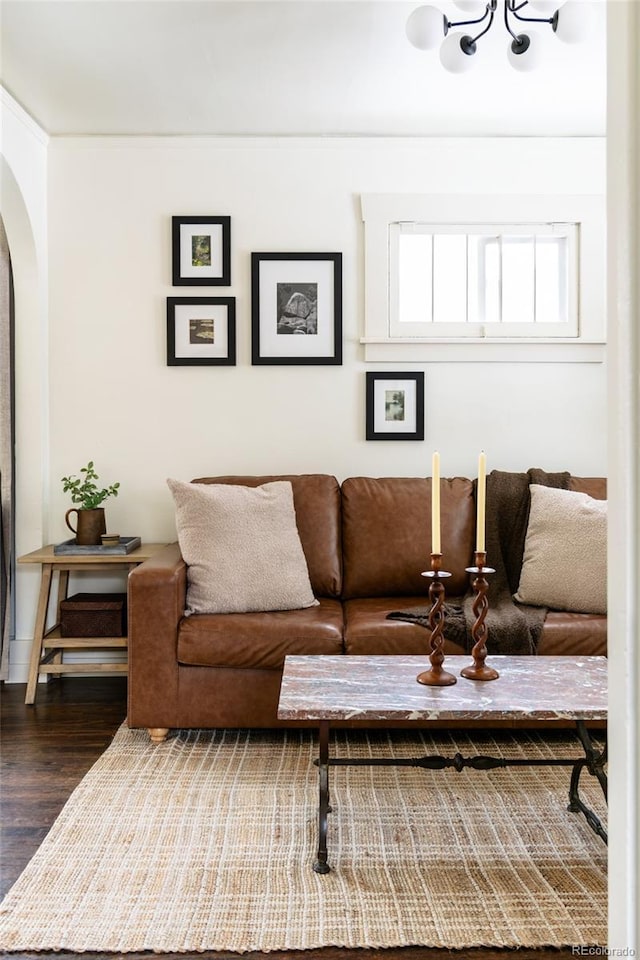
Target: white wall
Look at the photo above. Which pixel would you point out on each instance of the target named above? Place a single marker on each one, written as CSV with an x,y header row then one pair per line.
x,y
113,399
623,190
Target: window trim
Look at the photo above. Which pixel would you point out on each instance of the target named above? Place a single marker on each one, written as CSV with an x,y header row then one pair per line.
x,y
379,211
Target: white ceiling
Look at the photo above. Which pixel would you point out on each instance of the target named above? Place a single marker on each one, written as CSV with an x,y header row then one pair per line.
x,y
293,67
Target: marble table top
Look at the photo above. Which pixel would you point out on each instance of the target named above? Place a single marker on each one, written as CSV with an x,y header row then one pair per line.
x,y
385,688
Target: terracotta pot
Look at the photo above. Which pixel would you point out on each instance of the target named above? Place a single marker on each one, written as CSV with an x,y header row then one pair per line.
x,y
90,525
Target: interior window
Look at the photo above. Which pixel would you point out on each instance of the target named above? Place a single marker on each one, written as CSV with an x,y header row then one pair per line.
x,y
484,280
487,277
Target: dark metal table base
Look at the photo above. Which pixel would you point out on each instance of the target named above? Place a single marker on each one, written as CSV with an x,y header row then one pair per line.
x,y
594,760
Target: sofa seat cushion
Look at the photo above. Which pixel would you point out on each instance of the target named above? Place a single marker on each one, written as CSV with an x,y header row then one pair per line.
x,y
573,634
367,630
260,640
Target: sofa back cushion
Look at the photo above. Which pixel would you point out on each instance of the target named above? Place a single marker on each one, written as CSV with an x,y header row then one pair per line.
x,y
595,487
316,499
386,534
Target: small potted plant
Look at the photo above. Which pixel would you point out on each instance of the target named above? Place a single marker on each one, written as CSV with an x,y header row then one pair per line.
x,y
89,515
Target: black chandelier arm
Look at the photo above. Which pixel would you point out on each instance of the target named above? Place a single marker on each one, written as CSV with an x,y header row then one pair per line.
x,y
511,8
508,9
489,11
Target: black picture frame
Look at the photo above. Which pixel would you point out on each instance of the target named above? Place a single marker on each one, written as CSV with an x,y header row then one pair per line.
x,y
296,308
390,417
201,251
201,331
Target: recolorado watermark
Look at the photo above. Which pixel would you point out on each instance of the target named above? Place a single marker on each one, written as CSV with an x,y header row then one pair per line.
x,y
603,952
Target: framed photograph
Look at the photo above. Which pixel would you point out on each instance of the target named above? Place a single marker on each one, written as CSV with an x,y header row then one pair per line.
x,y
296,308
201,249
395,406
201,331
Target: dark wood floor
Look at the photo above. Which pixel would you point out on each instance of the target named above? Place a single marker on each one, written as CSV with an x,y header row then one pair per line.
x,y
47,749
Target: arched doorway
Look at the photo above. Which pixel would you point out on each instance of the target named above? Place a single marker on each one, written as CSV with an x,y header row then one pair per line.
x,y
7,460
28,450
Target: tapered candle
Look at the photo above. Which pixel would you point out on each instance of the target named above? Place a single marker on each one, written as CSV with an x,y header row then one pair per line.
x,y
481,500
435,503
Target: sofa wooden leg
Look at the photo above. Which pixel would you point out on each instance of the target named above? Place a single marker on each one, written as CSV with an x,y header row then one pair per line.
x,y
158,734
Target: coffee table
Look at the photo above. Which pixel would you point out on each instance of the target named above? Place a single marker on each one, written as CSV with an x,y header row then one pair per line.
x,y
338,688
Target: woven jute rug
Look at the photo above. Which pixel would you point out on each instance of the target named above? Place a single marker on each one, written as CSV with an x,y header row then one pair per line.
x,y
206,842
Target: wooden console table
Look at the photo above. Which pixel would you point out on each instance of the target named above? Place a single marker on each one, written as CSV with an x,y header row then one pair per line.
x,y
48,646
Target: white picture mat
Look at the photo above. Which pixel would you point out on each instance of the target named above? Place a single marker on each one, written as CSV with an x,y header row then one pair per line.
x,y
184,313
189,230
273,344
408,425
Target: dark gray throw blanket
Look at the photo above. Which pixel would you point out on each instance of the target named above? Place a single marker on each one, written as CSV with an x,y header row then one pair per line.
x,y
513,628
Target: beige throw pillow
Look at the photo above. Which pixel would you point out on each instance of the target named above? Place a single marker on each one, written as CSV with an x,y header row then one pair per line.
x,y
242,547
565,552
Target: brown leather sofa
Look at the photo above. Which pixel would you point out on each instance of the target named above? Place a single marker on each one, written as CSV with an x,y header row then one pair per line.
x,y
366,542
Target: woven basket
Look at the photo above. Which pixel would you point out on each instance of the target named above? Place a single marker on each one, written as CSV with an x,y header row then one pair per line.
x,y
94,615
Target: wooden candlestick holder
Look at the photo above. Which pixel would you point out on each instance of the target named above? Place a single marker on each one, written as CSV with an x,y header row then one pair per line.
x,y
435,676
479,631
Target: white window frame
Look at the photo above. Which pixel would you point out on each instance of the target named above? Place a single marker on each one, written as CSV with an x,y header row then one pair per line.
x,y
380,212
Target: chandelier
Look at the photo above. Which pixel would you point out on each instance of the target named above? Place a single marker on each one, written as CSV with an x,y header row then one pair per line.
x,y
427,26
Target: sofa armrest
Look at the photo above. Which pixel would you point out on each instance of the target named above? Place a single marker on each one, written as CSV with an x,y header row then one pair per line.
x,y
157,597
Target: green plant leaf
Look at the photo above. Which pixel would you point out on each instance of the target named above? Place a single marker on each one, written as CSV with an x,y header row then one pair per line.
x,y
85,491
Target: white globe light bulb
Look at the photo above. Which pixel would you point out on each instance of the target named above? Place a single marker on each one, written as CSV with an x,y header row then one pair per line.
x,y
574,21
544,8
526,61
472,7
425,28
452,57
